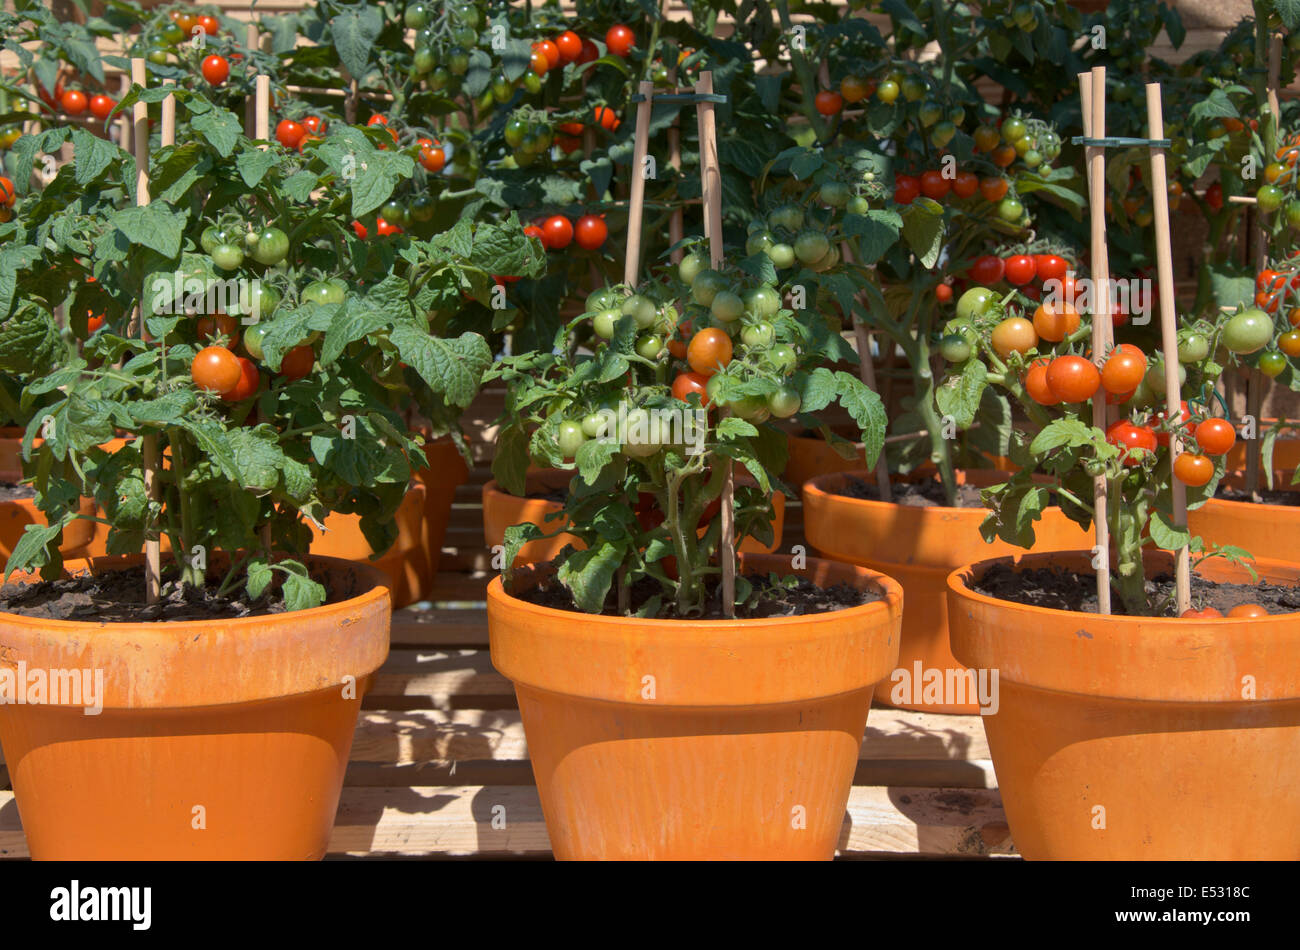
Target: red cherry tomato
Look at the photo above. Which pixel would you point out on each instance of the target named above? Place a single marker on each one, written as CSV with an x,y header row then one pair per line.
x,y
1073,379
1020,269
1205,613
1215,436
289,133
828,103
559,232
907,188
987,269
73,102
101,106
215,369
965,184
692,382
383,228
248,380
298,362
1050,267
620,40
216,69
606,118
1131,437
570,46
934,185
1193,470
590,232
943,293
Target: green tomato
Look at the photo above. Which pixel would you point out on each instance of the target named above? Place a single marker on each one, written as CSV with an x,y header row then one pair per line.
x,y
782,358
649,346
605,322
787,216
515,131
260,304
228,256
887,92
974,302
811,246
691,266
422,208
1293,214
857,205
1269,198
424,60
758,242
781,256
1193,348
502,88
1032,158
1013,129
1155,377
834,193
603,299
323,292
1248,331
251,237
393,211
642,309
762,301
758,335
157,56
955,348
458,61
593,425
1271,364
942,134
727,306
171,35
272,246
751,409
570,438
1010,209
211,237
913,88
439,78
784,403
930,113
642,439
707,285
532,82
416,16
253,336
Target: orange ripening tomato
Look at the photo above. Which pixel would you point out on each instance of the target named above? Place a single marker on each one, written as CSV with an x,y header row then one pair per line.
x,y
1073,379
1193,470
1215,436
1248,610
1055,323
709,351
828,103
1014,335
1122,372
1036,384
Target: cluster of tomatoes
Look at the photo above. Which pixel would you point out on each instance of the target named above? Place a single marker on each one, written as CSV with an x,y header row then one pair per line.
x,y
1028,272
933,183
294,134
557,232
1211,437
183,27
1280,183
788,235
1031,141
569,47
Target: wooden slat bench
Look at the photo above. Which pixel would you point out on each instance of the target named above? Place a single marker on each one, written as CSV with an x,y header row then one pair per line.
x,y
440,750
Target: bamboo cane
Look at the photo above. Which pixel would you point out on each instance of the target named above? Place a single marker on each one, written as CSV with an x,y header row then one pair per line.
x,y
262,119
250,109
1169,335
1096,158
636,200
711,183
140,136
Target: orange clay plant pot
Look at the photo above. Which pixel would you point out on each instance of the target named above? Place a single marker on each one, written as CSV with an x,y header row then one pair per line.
x,y
1126,738
403,565
218,739
501,510
17,514
446,471
811,456
696,739
1268,531
919,547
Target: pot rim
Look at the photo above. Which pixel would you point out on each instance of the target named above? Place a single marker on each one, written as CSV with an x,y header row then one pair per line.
x,y
957,583
819,488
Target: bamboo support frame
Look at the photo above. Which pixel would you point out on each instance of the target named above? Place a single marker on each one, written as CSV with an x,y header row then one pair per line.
x,y
1095,127
1168,335
636,200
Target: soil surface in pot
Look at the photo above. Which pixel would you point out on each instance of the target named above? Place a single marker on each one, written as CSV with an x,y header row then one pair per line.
x,y
548,494
924,494
119,597
769,600
1290,498
11,492
1058,589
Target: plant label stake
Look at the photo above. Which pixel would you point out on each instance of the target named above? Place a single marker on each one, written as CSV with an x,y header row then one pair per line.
x,y
1095,128
1169,335
152,555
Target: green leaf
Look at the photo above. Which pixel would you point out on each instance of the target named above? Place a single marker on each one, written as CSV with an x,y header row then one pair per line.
x,y
1165,534
867,411
220,128
153,225
734,427
453,368
877,231
960,396
354,33
1063,432
588,575
32,550
593,455
92,155
510,464
923,230
253,164
299,590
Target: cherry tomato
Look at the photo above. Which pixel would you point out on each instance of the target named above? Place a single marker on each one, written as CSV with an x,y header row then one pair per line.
x,y
1214,196
559,232
1248,331
965,184
619,40
687,383
1014,335
551,52
1020,269
384,228
1055,323
1205,613
1193,470
289,133
986,138
570,438
1122,372
93,323
943,293
223,324
433,159
570,46
185,21
906,189
1289,343
298,362
1131,437
101,106
210,25
934,185
784,403
590,232
216,370
987,269
1272,364
1248,611
249,377
589,53
606,118
828,103
994,189
1215,436
73,102
315,124
216,69
1050,267
1004,155
1036,384
709,351
855,88
1073,379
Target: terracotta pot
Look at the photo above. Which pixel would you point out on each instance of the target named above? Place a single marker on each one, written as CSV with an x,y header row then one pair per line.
x,y
1271,531
403,565
16,515
218,739
1124,738
446,471
696,740
1286,449
501,510
811,456
919,547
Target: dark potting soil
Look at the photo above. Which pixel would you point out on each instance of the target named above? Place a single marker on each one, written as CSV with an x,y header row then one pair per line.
x,y
774,601
548,494
11,492
922,494
1288,498
1059,589
119,597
